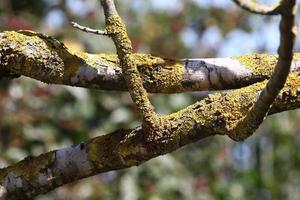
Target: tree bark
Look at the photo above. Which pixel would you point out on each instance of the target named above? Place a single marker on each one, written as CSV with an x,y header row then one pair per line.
x,y
46,59
219,113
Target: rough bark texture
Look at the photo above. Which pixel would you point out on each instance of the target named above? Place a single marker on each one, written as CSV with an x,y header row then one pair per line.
x,y
43,58
46,59
224,113
219,113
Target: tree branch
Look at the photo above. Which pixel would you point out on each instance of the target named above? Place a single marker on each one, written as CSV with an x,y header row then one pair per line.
x,y
44,58
89,30
116,29
225,113
288,32
256,8
217,114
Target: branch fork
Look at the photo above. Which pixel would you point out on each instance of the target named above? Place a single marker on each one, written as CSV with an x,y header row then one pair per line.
x,y
219,113
116,30
152,123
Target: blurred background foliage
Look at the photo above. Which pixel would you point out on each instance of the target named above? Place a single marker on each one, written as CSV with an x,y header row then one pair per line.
x,y
36,117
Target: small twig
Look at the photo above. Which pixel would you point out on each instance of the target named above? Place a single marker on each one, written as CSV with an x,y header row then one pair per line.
x,y
89,30
258,8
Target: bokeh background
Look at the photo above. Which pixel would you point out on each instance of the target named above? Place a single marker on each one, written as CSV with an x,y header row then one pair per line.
x,y
36,117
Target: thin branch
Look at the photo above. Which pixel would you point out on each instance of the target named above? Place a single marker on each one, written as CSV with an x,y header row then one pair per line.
x,y
109,8
219,113
88,30
117,30
216,114
261,107
257,8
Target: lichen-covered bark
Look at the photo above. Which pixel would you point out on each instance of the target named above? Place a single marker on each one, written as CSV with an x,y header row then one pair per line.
x,y
224,113
46,59
219,113
139,95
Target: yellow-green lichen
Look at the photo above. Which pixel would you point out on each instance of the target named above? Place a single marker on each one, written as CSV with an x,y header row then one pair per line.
x,y
292,84
297,56
220,113
109,60
260,64
35,55
117,30
147,60
164,74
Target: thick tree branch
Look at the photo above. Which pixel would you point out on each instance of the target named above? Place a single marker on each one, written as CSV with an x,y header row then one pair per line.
x,y
217,114
224,113
43,58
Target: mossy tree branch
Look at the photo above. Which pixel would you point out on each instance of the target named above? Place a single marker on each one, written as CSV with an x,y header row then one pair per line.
x,y
217,114
220,113
44,58
154,125
116,29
